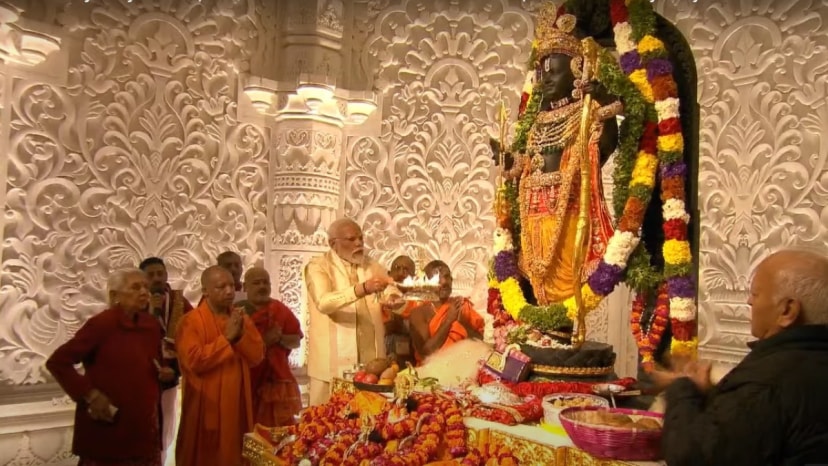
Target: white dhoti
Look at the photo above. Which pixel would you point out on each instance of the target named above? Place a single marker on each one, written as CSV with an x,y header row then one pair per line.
x,y
169,413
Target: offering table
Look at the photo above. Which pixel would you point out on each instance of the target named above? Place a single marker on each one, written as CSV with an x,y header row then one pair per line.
x,y
531,445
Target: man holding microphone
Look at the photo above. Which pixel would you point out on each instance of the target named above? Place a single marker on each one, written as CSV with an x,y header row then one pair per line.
x,y
168,306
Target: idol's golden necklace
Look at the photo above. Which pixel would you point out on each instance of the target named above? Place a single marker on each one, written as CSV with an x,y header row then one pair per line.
x,y
555,128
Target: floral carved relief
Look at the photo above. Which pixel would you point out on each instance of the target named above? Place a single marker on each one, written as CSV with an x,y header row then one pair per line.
x,y
139,154
763,183
425,186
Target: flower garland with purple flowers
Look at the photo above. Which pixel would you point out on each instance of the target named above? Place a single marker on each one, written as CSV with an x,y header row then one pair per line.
x,y
645,61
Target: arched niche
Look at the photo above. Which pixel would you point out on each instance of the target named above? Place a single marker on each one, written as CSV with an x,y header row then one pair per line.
x,y
593,19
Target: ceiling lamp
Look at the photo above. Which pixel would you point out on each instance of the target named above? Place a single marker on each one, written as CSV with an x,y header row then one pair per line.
x,y
360,110
315,94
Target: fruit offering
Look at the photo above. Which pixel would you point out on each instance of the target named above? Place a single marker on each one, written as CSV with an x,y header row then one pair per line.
x,y
378,372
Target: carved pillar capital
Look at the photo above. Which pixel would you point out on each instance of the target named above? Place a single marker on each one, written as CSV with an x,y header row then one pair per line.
x,y
312,39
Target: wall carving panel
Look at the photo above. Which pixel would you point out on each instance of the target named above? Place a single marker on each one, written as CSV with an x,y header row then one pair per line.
x,y
424,186
763,183
292,294
139,154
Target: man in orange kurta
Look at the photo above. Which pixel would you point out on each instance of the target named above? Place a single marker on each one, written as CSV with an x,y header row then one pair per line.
x,y
216,346
438,325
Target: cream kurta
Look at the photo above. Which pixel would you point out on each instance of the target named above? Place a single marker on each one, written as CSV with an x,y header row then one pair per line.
x,y
332,334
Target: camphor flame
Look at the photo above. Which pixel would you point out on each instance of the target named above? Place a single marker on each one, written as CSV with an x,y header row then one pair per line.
x,y
421,281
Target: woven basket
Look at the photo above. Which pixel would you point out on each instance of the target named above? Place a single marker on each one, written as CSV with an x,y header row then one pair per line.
x,y
617,443
551,413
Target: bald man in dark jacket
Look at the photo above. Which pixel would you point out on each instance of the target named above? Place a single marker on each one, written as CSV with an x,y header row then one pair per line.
x,y
772,408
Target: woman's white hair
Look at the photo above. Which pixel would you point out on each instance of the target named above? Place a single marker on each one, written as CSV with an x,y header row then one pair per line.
x,y
117,281
804,277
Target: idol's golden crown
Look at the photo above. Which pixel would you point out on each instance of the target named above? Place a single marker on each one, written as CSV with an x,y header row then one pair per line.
x,y
553,33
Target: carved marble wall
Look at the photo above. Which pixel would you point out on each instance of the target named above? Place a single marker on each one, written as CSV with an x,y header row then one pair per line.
x,y
423,186
134,139
124,144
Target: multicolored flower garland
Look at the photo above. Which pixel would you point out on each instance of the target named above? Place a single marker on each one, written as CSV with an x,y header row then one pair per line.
x,y
651,103
645,61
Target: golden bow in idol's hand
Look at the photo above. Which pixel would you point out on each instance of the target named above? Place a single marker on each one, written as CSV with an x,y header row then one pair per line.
x,y
590,50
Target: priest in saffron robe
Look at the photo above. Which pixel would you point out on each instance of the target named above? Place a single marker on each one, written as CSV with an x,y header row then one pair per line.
x,y
440,324
216,345
276,396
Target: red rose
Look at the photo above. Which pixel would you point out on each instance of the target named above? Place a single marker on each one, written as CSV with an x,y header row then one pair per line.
x,y
669,126
675,229
649,138
684,331
618,12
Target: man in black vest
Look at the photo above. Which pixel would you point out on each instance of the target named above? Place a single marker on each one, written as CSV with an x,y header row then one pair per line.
x,y
772,408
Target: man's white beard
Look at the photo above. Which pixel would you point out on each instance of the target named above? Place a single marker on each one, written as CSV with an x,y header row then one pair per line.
x,y
355,259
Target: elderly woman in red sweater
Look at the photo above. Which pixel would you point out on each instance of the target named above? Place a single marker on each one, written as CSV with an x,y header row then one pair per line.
x,y
118,393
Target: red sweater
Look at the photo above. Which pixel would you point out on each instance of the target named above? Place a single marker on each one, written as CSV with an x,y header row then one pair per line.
x,y
117,354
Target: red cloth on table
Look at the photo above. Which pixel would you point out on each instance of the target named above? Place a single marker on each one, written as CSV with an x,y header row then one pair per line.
x,y
541,389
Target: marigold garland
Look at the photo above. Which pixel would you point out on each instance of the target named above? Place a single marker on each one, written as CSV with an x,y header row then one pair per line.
x,y
328,436
651,102
648,335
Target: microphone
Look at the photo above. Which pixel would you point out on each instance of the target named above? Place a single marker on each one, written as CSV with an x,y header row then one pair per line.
x,y
158,290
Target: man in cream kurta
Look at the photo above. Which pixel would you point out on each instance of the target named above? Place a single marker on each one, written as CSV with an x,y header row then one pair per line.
x,y
346,324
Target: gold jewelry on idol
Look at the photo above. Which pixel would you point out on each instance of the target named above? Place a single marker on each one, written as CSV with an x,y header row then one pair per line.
x,y
553,33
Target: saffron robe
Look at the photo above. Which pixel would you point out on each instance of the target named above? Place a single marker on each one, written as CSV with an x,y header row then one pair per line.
x,y
276,396
458,331
541,225
216,410
117,354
